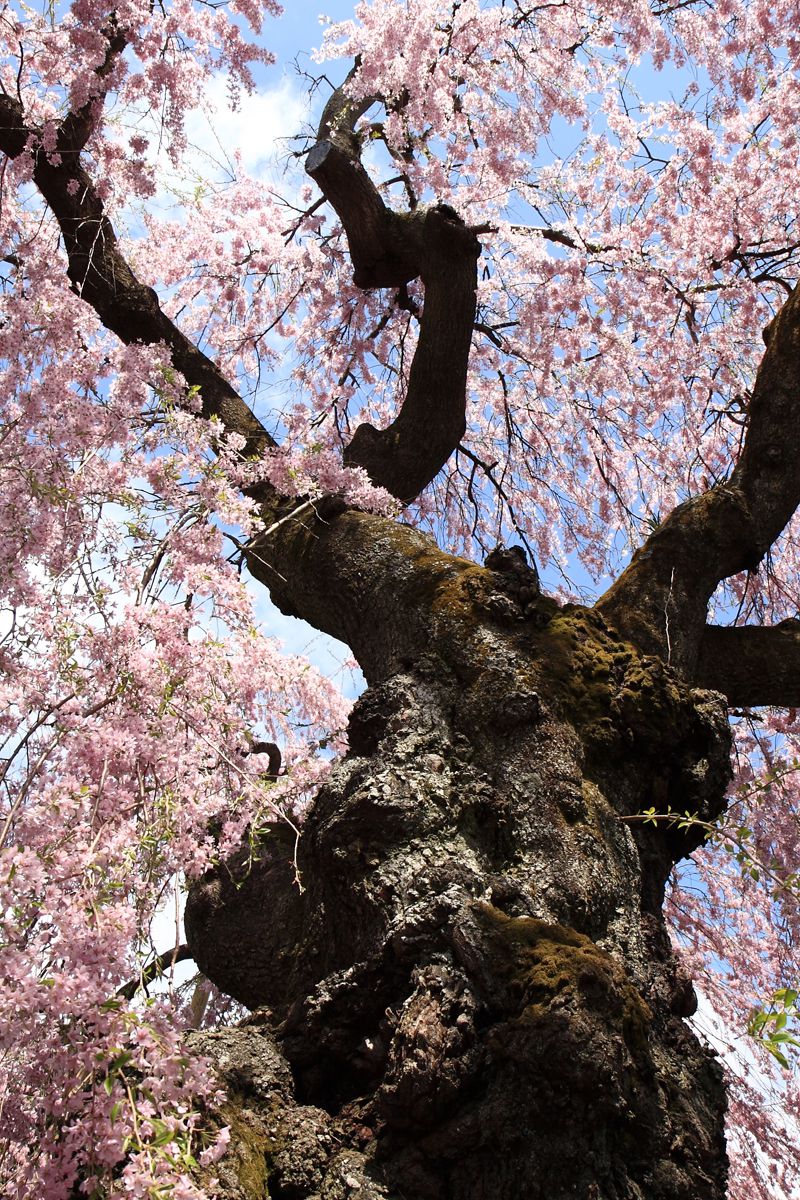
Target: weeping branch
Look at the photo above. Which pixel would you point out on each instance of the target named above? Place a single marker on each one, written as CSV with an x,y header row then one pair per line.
x,y
97,269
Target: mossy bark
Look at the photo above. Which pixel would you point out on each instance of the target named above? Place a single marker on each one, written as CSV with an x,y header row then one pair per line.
x,y
475,991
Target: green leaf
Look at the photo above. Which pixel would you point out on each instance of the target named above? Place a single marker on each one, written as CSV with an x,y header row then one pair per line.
x,y
776,1053
785,1039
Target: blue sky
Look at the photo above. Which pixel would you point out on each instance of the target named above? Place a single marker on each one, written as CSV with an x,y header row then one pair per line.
x,y
299,30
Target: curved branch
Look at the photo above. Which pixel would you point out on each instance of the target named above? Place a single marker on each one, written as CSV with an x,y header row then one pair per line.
x,y
660,600
274,758
377,244
410,452
389,249
751,664
100,274
155,968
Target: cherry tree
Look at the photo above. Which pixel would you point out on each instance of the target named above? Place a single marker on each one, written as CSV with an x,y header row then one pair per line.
x,y
531,306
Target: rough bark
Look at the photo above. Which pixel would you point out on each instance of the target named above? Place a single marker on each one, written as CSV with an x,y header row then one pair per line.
x,y
476,985
752,664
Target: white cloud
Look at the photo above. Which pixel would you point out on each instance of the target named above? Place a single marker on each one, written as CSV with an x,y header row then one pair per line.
x,y
259,129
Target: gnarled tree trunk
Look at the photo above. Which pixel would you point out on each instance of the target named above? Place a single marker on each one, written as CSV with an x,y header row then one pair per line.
x,y
475,993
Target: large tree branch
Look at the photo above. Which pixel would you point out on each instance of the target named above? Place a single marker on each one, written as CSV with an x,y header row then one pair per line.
x,y
78,125
389,249
99,272
660,600
751,664
381,568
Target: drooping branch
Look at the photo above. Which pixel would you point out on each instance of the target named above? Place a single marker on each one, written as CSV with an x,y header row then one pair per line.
x,y
751,664
99,272
389,249
660,600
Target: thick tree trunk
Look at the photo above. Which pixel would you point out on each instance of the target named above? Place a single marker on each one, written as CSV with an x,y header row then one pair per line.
x,y
474,996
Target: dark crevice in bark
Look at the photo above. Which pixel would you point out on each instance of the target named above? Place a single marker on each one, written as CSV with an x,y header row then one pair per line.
x,y
281,1148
